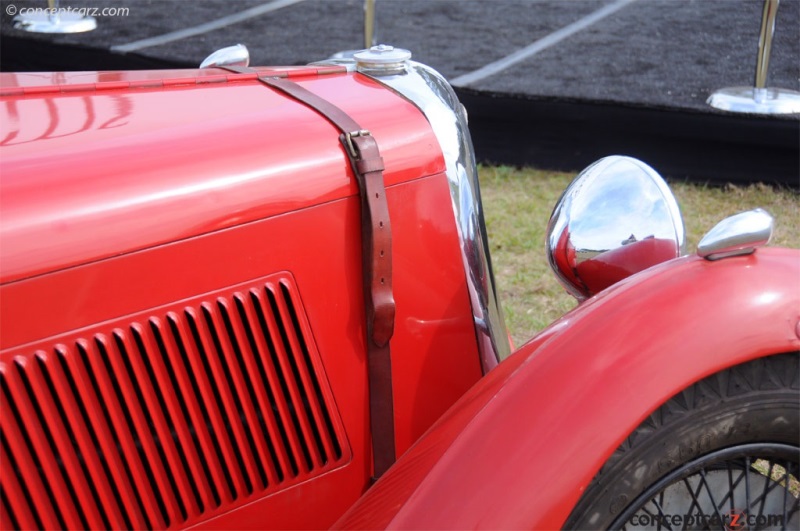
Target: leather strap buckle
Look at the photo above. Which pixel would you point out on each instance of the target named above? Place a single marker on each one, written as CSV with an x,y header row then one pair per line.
x,y
376,237
352,147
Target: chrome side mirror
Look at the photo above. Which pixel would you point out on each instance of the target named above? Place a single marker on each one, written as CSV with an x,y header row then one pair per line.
x,y
237,55
618,217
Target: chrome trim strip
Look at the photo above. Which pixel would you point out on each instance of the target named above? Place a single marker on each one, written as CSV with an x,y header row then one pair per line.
x,y
434,96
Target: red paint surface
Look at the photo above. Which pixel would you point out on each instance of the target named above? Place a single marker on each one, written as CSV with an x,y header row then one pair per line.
x,y
518,450
124,194
89,175
107,216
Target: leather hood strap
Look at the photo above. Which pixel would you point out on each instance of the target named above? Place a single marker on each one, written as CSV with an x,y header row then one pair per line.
x,y
376,241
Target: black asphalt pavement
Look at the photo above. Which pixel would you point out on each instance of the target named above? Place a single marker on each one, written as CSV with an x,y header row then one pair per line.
x,y
552,83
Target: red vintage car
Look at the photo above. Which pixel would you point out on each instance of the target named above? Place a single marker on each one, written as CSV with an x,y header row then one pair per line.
x,y
243,297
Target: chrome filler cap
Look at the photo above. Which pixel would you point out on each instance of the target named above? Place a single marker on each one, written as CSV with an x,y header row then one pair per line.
x,y
737,235
382,60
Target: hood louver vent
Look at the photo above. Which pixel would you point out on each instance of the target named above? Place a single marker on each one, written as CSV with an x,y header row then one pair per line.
x,y
174,417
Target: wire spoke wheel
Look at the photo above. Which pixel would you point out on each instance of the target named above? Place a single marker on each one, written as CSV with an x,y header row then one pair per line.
x,y
752,486
722,454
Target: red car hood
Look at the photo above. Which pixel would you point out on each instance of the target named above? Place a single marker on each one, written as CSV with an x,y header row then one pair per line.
x,y
98,164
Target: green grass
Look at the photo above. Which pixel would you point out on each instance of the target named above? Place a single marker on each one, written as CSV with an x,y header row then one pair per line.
x,y
518,203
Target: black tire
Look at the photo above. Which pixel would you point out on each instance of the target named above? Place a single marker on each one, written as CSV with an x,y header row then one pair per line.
x,y
722,423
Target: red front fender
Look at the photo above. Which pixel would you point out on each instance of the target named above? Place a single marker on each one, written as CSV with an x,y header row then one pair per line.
x,y
521,446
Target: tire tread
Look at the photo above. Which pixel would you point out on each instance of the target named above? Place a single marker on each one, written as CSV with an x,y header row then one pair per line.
x,y
771,375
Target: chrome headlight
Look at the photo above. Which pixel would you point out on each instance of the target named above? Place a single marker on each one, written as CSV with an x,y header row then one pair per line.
x,y
618,217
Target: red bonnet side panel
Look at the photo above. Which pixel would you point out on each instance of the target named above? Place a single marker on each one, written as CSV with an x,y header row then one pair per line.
x,y
182,323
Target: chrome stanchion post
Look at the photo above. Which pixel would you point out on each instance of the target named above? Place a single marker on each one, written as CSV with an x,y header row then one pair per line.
x,y
54,19
370,39
765,41
346,57
759,99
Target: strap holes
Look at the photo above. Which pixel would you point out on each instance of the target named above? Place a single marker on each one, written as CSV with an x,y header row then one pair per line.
x,y
382,280
381,253
380,223
377,195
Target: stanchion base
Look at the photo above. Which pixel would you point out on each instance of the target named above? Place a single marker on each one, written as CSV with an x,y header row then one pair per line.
x,y
756,101
61,23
